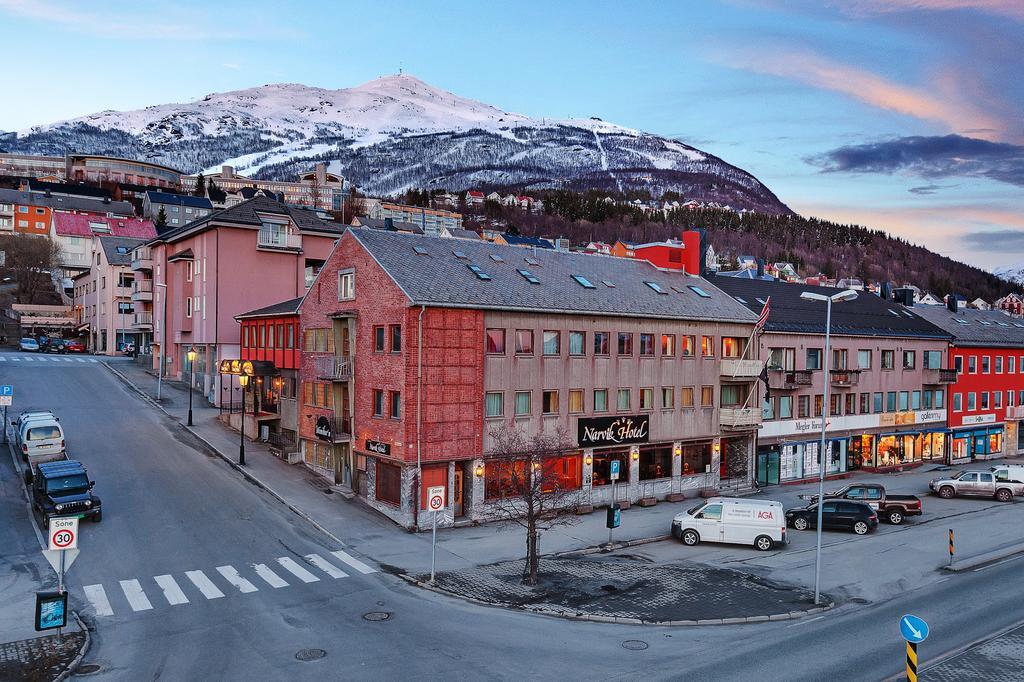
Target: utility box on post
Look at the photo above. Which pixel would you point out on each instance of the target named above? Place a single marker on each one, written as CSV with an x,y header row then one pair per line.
x,y
614,516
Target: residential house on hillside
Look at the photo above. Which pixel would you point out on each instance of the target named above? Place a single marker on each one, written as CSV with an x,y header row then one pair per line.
x,y
980,304
179,209
388,224
786,271
32,212
623,249
430,220
1011,304
474,198
926,298
103,294
74,234
747,262
494,196
457,233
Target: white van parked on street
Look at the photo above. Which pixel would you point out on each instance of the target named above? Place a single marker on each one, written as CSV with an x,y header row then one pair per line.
x,y
39,438
761,523
1008,472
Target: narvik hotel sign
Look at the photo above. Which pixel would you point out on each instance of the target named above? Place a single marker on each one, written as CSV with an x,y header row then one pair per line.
x,y
605,431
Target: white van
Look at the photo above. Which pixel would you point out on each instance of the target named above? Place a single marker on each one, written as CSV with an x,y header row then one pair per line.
x,y
761,523
1008,472
39,438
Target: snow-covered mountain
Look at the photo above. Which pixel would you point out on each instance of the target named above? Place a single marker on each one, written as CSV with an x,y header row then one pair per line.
x,y
398,132
1010,273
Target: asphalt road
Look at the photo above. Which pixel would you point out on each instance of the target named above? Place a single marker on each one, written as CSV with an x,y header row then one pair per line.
x,y
173,510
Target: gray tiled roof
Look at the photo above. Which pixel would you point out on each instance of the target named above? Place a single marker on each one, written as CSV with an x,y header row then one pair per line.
x,y
460,233
247,213
381,224
66,203
282,308
178,200
1001,330
440,278
110,245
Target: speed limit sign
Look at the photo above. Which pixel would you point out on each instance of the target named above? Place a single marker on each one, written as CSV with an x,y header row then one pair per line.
x,y
64,533
435,498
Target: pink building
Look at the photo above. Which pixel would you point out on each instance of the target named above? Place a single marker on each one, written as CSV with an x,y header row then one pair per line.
x,y
203,274
102,295
74,234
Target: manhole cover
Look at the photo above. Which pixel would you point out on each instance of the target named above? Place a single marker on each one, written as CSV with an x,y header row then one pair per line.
x,y
634,644
87,669
310,654
377,615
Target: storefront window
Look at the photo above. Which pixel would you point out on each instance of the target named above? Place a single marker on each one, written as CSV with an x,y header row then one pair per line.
x,y
888,452
563,473
502,479
655,462
790,464
735,457
602,466
389,483
696,458
995,443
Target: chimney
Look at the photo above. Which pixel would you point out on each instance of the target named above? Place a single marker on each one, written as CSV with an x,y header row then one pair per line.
x,y
227,172
885,291
904,296
321,173
692,261
389,225
951,302
760,268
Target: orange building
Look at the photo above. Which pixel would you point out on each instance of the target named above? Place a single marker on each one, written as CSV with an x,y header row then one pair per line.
x,y
32,219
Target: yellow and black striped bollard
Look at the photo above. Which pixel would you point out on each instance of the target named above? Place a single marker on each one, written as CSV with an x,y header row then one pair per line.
x,y
950,546
911,662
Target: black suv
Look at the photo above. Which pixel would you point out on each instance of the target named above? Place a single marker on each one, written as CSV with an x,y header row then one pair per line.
x,y
835,515
63,488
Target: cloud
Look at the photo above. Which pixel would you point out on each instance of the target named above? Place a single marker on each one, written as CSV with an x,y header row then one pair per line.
x,y
1014,9
995,241
930,157
926,189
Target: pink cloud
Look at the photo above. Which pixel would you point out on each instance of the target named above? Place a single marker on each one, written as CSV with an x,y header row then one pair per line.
x,y
1013,9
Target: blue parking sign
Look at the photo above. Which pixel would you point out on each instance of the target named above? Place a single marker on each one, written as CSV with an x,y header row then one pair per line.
x,y
614,471
6,389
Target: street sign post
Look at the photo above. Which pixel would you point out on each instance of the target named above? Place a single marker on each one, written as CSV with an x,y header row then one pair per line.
x,y
613,511
6,399
435,503
63,537
915,631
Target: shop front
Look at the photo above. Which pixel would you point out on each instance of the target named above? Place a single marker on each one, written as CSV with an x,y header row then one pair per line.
x,y
978,443
890,450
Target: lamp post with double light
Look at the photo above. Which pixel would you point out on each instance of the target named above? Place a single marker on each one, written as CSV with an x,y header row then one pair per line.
x,y
191,354
243,381
846,295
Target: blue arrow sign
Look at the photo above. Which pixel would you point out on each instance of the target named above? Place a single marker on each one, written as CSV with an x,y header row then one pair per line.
x,y
6,389
913,629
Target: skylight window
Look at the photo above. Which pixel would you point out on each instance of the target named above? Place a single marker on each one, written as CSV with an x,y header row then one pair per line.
x,y
700,292
532,261
420,250
529,276
740,300
608,283
986,323
656,287
893,312
475,269
496,258
961,321
761,301
460,255
1018,325
677,289
583,281
122,249
1002,324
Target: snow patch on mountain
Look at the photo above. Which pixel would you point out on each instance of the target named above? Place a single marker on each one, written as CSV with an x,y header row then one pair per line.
x,y
1010,273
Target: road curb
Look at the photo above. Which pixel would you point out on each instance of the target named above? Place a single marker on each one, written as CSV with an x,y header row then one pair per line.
x,y
252,478
73,665
604,548
621,620
971,563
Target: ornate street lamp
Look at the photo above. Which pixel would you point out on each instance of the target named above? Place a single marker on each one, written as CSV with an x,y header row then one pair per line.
x,y
191,355
243,381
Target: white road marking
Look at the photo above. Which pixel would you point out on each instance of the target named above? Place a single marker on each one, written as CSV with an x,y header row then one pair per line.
x,y
296,570
3,359
353,562
80,359
136,597
16,358
199,579
172,592
1013,558
97,596
67,359
231,575
271,578
92,360
326,566
805,622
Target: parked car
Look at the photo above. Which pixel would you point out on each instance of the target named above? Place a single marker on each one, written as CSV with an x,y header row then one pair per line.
x,y
39,437
1008,472
978,483
64,489
733,520
74,346
892,508
55,346
128,348
28,345
835,515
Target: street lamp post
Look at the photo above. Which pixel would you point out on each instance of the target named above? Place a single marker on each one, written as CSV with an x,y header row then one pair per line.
x,y
191,354
243,381
163,344
846,295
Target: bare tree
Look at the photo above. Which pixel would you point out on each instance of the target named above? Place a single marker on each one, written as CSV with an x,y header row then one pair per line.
x,y
29,261
530,488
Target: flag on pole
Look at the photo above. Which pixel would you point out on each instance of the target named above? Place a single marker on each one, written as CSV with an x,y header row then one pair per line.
x,y
763,317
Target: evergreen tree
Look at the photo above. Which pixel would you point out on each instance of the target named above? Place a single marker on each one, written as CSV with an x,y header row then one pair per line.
x,y
161,218
200,190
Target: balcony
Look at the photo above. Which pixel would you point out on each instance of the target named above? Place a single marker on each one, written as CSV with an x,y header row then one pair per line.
x,y
739,418
844,378
788,379
142,290
1015,412
278,239
935,377
142,320
142,260
334,367
336,431
734,369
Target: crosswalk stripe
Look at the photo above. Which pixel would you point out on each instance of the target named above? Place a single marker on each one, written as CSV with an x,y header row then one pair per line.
x,y
172,592
326,566
231,575
354,562
80,359
199,579
97,596
296,570
3,359
269,577
16,359
92,360
134,594
67,359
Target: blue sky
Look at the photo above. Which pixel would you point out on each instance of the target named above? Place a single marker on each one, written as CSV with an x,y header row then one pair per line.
x,y
905,115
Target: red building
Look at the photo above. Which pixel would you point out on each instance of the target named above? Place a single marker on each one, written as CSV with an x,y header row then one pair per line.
x,y
681,255
987,400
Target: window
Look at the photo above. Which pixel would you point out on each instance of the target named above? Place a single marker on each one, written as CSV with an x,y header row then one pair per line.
x,y
494,404
707,396
689,346
819,405
378,339
550,402
602,466
575,401
985,364
389,483
646,398
552,343
524,342
890,401
732,347
495,342
346,286
707,346
984,400
851,403
269,331
23,209
864,359
655,462
730,395
601,343
768,410
839,356
696,458
623,399
378,402
524,403
958,364
904,401
865,403
932,359
656,287
915,400
997,399
686,396
909,359
480,274
396,405
188,307
188,271
647,345
1011,364
785,404
668,345
888,359
625,343
972,364
396,338
972,402
577,343
529,276
835,405
600,400
813,360
583,282
700,292
803,406
668,397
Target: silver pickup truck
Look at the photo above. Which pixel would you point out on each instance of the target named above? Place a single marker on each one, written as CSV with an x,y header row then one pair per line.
x,y
980,483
